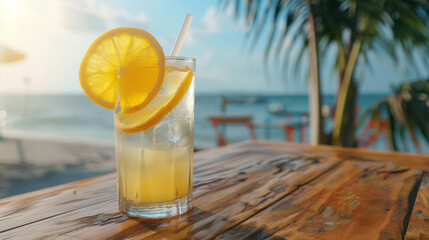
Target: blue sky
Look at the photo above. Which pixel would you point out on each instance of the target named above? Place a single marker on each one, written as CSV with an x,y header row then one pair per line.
x,y
54,35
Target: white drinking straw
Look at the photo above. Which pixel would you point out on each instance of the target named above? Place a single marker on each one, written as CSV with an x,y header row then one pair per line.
x,y
182,34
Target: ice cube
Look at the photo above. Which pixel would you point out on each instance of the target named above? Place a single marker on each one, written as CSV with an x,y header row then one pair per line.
x,y
169,134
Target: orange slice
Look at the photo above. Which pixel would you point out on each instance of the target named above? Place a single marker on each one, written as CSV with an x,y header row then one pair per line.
x,y
125,61
176,84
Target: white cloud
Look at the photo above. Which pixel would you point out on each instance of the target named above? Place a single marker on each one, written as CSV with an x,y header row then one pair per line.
x,y
116,17
211,23
91,16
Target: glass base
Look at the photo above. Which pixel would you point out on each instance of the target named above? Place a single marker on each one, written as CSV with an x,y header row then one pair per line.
x,y
156,210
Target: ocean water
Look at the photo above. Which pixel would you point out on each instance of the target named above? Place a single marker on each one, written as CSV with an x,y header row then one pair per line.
x,y
77,117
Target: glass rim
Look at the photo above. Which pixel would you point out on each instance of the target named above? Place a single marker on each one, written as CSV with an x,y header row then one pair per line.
x,y
178,58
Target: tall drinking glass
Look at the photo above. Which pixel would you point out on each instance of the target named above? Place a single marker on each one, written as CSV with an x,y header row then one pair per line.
x,y
154,167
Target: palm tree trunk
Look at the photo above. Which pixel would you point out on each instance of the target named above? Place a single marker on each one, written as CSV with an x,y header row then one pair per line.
x,y
316,120
344,112
348,138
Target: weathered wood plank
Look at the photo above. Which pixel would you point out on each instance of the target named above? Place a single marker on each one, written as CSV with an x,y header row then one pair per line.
x,y
207,159
49,228
418,161
233,184
30,207
229,201
418,227
21,210
227,193
356,200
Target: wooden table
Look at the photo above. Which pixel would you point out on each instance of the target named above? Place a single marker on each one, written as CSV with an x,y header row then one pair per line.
x,y
252,190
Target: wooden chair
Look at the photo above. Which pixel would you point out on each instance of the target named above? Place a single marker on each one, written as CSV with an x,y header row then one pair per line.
x,y
301,125
223,120
289,130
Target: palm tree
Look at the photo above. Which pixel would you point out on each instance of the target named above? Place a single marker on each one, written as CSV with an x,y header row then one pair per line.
x,y
353,28
401,116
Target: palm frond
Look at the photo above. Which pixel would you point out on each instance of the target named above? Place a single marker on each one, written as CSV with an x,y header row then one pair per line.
x,y
406,111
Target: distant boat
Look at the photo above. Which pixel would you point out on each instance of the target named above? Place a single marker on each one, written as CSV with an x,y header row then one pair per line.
x,y
244,100
276,108
255,100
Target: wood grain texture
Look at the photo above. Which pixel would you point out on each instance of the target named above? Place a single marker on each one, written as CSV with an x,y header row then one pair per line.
x,y
353,201
419,161
251,190
418,227
30,207
23,209
229,188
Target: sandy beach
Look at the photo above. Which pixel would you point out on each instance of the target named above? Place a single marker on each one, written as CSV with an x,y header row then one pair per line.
x,y
28,164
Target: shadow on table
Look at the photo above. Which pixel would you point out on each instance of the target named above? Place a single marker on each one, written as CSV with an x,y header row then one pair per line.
x,y
196,223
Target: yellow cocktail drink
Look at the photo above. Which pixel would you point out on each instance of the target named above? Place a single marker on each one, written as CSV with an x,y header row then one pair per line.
x,y
154,166
151,176
152,96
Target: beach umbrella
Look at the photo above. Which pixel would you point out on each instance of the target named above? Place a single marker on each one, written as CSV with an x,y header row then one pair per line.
x,y
8,55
